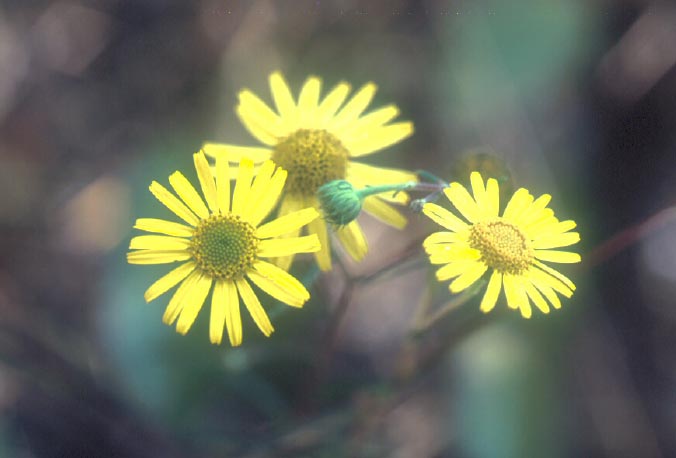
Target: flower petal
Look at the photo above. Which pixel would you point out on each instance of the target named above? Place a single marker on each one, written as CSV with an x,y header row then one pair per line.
x,y
556,240
157,256
353,240
161,226
177,302
463,201
384,212
274,248
172,203
282,96
168,281
492,292
279,284
328,107
234,153
193,304
159,242
470,276
557,256
287,223
188,194
242,187
379,138
444,217
354,108
254,307
206,180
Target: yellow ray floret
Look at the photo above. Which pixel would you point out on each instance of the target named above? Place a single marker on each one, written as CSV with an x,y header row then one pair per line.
x,y
316,140
224,246
510,247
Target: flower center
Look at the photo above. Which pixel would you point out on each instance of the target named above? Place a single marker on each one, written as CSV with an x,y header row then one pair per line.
x,y
502,245
312,157
224,246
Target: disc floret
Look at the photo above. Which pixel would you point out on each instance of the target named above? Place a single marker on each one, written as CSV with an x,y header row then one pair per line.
x,y
503,246
224,246
312,157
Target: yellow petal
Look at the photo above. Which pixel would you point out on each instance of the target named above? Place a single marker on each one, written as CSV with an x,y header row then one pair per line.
x,y
443,238
461,199
234,153
168,281
379,138
556,241
172,203
363,175
384,212
510,291
492,198
308,100
161,226
157,256
188,194
454,269
556,274
259,131
492,292
557,256
269,197
353,240
206,180
159,242
468,278
323,256
242,188
479,192
354,107
443,217
537,275
536,297
273,248
279,284
225,311
281,94
233,318
328,107
193,304
442,254
536,211
177,302
260,114
374,119
519,202
285,224
290,204
223,184
254,307
548,292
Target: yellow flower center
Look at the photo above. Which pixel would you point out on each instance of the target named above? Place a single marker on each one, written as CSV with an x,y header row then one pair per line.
x,y
312,157
224,246
502,245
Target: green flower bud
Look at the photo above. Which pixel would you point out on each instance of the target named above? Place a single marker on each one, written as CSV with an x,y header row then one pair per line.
x,y
339,201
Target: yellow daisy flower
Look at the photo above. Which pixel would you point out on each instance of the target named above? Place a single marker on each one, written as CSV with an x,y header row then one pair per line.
x,y
223,245
512,246
316,140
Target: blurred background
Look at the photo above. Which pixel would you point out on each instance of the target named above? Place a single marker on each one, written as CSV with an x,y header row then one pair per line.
x,y
576,98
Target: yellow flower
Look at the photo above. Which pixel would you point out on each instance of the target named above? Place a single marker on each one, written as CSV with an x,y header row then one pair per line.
x,y
316,140
512,246
222,245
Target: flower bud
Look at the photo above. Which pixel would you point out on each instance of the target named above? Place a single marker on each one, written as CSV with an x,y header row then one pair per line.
x,y
339,201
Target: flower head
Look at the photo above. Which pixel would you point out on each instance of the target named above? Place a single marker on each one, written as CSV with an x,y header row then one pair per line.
x,y
511,246
223,244
316,141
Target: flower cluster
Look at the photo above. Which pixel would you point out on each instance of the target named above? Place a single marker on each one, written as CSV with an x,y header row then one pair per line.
x,y
308,168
